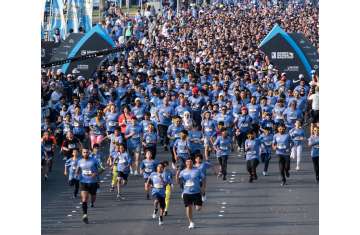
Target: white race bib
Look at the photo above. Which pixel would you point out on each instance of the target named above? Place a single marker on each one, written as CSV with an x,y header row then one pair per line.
x,y
148,170
86,172
158,186
208,129
76,124
189,183
223,148
281,146
71,146
112,123
121,160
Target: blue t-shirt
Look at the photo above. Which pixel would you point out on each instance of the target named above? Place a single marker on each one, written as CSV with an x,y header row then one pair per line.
x,y
134,140
182,148
97,129
196,142
191,179
283,143
297,135
224,145
111,121
203,167
138,111
174,131
87,168
254,112
252,148
159,184
209,127
314,143
148,166
115,140
291,117
71,166
150,139
123,162
196,103
165,113
266,143
244,123
180,110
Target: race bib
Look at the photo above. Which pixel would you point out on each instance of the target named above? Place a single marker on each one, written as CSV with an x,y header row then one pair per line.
x,y
158,186
121,160
251,152
298,138
148,139
208,129
112,123
71,146
48,148
281,146
76,124
316,146
189,183
268,143
244,124
86,172
148,170
223,148
177,136
74,168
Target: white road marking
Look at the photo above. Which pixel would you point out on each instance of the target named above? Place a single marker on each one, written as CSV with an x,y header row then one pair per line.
x,y
233,175
232,178
223,203
220,215
101,181
77,207
221,211
69,215
231,181
234,172
223,207
73,211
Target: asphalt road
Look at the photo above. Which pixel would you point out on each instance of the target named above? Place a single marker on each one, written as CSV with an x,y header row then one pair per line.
x,y
232,207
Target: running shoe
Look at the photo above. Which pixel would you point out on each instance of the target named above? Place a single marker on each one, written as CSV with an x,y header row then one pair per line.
x,y
203,198
283,183
287,174
119,196
112,189
154,215
92,205
255,177
192,225
297,168
131,172
224,177
165,213
136,172
161,222
265,173
85,219
147,196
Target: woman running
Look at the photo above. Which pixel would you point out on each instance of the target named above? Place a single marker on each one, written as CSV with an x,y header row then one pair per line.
x,y
150,140
282,143
266,139
97,129
298,136
133,139
222,146
147,166
252,150
70,170
123,169
314,144
209,130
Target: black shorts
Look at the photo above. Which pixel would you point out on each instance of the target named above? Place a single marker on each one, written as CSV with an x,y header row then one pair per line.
x,y
122,175
315,116
73,182
161,201
192,199
89,187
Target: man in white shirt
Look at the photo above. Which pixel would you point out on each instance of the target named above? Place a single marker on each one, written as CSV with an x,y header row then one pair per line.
x,y
314,107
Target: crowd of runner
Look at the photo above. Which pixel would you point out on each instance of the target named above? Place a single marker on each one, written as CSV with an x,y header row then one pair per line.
x,y
195,86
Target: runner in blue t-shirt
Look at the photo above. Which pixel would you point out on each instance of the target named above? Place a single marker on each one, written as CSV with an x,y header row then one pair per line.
x,y
282,143
70,171
222,147
87,170
147,166
158,182
313,142
191,178
252,150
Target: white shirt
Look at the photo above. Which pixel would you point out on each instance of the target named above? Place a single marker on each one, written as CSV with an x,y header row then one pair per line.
x,y
315,101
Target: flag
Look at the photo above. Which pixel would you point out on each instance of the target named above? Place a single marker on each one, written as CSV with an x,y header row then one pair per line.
x,y
72,16
58,19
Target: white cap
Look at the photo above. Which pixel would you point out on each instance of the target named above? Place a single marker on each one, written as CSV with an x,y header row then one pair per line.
x,y
58,71
75,70
80,78
137,99
301,76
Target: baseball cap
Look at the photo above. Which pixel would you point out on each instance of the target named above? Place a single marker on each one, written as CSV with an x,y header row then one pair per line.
x,y
195,90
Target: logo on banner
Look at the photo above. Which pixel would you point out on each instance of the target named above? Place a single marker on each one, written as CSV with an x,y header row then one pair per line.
x,y
282,55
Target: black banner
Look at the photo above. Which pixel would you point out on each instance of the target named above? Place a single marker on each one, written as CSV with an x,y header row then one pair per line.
x,y
94,43
308,49
283,57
